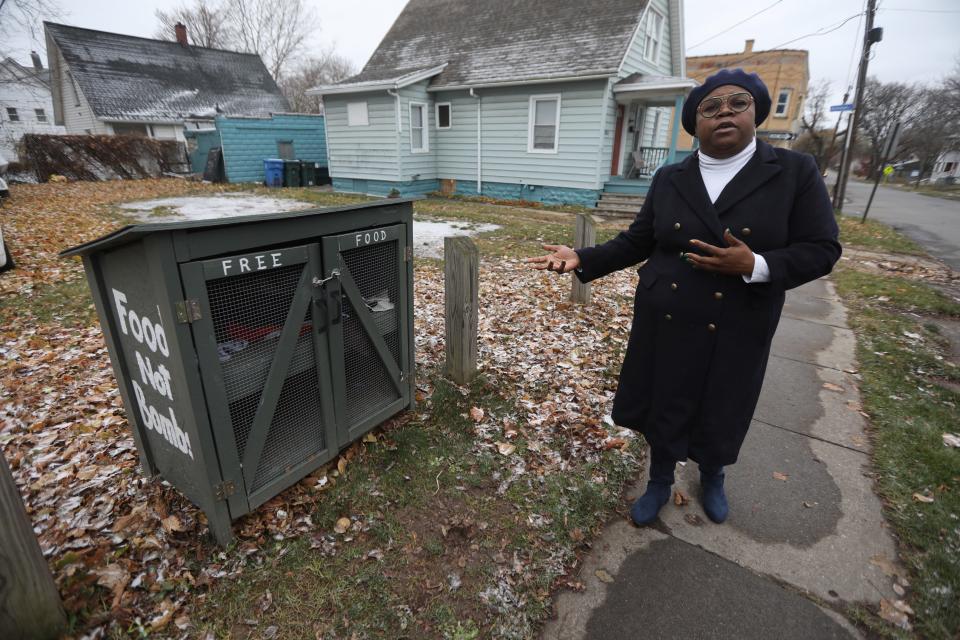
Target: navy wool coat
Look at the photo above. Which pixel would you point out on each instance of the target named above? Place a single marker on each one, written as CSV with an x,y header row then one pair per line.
x,y
700,341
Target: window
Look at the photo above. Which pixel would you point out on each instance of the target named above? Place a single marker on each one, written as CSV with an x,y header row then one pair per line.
x,y
357,114
443,115
652,36
41,115
285,150
783,102
419,135
13,115
136,130
948,167
544,133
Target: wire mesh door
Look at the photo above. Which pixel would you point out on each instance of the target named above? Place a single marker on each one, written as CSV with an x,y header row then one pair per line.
x,y
369,347
264,357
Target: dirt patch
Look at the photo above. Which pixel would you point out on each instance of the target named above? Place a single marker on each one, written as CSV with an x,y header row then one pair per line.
x,y
919,268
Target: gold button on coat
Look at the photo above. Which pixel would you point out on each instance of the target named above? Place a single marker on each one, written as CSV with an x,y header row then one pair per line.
x,y
718,295
673,285
711,327
676,225
668,317
745,231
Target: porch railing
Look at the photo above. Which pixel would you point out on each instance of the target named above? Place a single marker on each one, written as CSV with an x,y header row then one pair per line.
x,y
646,160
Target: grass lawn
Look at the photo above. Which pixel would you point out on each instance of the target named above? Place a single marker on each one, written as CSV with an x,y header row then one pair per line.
x,y
456,520
907,370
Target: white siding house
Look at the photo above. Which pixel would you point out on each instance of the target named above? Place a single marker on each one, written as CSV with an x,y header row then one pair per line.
x,y
464,96
25,104
114,84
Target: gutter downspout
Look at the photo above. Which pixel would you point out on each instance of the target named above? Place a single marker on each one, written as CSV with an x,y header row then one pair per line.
x,y
396,94
479,147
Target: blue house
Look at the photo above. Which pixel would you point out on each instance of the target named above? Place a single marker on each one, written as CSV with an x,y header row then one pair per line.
x,y
246,141
556,102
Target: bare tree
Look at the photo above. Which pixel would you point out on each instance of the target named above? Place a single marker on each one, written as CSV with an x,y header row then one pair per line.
x,y
25,17
205,23
883,104
274,29
812,121
927,134
327,68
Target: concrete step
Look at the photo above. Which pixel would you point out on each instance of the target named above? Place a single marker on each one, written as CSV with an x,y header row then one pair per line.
x,y
631,208
615,213
617,198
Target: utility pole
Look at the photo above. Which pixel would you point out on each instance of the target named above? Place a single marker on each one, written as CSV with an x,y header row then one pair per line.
x,y
870,36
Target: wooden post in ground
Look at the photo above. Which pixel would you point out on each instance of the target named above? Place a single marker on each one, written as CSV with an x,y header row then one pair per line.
x,y
29,602
461,269
585,235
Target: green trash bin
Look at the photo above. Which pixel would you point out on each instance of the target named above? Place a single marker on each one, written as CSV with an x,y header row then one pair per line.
x,y
291,173
308,173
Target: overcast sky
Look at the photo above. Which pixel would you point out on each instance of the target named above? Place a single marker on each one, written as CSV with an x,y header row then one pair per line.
x,y
920,40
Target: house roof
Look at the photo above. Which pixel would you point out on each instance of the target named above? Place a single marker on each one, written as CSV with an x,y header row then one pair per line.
x,y
140,79
23,73
492,41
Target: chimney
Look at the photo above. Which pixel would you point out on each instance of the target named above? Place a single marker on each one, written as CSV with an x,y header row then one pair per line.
x,y
748,48
37,63
181,30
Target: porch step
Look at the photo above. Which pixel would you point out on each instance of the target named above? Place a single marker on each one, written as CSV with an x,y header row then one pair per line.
x,y
620,198
619,205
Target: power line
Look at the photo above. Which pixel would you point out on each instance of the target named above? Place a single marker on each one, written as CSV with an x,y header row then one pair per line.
x,y
822,31
750,17
922,10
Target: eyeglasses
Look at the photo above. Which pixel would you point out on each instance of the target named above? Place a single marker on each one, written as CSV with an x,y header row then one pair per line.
x,y
738,102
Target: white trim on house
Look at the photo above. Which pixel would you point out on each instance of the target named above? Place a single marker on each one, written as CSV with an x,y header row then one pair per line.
x,y
658,40
355,117
786,104
378,85
636,31
531,123
449,107
592,75
424,128
679,83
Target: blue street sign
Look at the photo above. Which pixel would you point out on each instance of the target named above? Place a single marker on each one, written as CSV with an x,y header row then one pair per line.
x,y
842,107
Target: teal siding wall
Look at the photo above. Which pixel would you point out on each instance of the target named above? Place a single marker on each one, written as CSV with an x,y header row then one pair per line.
x,y
505,125
457,146
367,152
247,142
417,166
205,139
635,62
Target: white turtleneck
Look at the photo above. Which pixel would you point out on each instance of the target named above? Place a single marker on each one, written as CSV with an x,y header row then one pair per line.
x,y
717,173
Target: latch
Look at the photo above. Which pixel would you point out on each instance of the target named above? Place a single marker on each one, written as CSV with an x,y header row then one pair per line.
x,y
319,282
188,311
408,254
225,489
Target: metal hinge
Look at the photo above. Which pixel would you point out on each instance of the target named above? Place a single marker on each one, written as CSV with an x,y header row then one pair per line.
x,y
225,489
188,311
408,254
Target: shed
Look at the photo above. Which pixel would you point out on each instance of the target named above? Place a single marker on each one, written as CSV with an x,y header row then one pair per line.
x,y
247,141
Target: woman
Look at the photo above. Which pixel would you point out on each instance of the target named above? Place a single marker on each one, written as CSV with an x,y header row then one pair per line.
x,y
725,233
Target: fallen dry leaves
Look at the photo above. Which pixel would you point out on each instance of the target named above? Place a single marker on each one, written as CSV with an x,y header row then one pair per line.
x,y
128,551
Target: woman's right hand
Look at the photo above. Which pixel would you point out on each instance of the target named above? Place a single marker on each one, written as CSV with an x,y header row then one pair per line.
x,y
560,259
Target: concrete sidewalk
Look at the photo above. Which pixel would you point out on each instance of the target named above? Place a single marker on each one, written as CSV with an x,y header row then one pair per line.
x,y
805,532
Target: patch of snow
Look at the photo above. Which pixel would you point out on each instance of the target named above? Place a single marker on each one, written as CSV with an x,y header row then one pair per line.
x,y
427,235
224,205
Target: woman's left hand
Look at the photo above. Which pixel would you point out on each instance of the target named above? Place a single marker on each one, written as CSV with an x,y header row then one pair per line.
x,y
735,260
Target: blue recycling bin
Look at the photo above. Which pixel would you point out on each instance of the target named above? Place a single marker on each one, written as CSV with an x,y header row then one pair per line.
x,y
273,170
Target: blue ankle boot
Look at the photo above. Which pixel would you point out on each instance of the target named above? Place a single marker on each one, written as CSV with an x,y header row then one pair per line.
x,y
714,500
646,508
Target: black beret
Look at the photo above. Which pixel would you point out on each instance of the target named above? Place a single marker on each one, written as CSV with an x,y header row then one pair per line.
x,y
749,81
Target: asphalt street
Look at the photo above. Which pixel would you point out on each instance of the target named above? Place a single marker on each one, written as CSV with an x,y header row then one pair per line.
x,y
934,223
